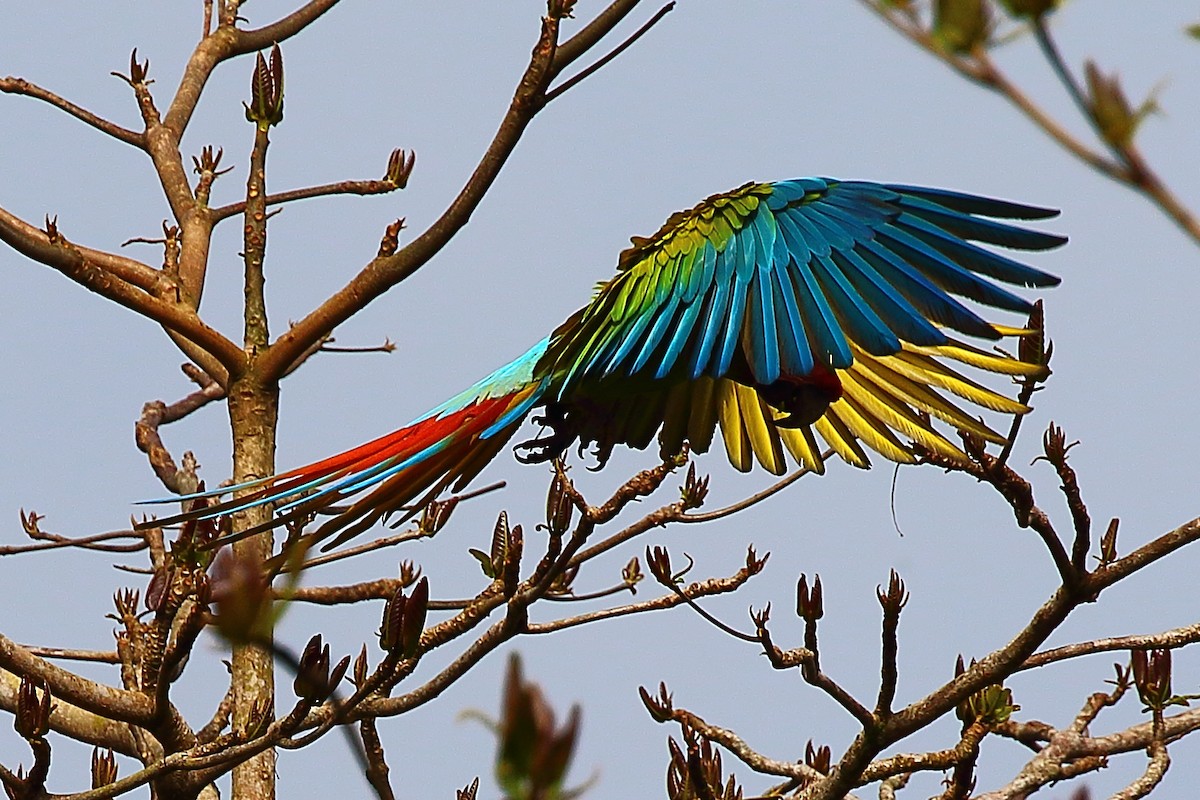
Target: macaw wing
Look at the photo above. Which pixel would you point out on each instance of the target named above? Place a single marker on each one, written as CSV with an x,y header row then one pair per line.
x,y
784,278
888,404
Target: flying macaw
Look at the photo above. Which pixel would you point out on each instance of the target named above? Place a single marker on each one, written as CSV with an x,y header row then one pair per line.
x,y
781,312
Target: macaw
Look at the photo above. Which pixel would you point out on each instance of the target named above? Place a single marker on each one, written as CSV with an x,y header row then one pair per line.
x,y
780,312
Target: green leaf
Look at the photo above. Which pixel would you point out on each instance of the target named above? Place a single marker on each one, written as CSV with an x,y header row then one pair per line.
x,y
485,561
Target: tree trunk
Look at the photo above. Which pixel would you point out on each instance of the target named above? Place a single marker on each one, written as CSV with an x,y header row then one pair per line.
x,y
254,413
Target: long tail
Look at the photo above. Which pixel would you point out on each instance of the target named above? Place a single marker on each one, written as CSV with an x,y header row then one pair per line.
x,y
447,446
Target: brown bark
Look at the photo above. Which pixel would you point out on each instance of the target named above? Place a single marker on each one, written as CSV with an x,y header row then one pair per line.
x,y
253,414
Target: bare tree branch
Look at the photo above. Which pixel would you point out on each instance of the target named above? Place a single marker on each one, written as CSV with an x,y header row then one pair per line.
x,y
361,188
106,701
1176,637
1129,166
20,86
384,272
64,257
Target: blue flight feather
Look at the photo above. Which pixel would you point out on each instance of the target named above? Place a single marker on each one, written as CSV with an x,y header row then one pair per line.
x,y
946,273
794,352
923,294
980,260
865,326
975,204
896,312
733,325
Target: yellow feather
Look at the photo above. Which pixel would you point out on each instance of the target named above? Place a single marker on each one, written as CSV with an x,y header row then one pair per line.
x,y
763,440
980,359
870,430
737,446
924,369
887,416
1008,330
880,380
838,436
801,443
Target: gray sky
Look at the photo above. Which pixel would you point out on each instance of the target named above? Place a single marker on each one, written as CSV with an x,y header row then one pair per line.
x,y
719,93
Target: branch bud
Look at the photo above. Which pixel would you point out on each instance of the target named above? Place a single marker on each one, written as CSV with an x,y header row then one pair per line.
x,y
468,792
1115,118
694,490
492,563
658,559
760,620
156,590
754,564
32,720
810,605
991,705
534,753
391,238
661,708
436,514
559,505
312,674
896,596
399,168
819,758
1152,677
404,620
104,768
961,26
360,668
510,570
414,618
632,575
1108,543
266,91
1032,348
393,620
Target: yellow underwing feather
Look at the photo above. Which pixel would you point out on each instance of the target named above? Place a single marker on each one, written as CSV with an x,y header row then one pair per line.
x,y
737,445
924,369
896,416
803,446
838,436
764,440
870,430
980,359
916,394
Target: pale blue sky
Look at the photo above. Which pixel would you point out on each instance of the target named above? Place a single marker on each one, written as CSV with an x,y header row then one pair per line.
x,y
719,93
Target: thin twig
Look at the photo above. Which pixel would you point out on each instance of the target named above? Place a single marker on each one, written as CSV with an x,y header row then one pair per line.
x,y
755,498
1176,637
20,86
97,656
609,56
361,188
53,541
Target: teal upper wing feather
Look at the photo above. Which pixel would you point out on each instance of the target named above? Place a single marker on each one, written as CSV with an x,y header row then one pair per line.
x,y
784,278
